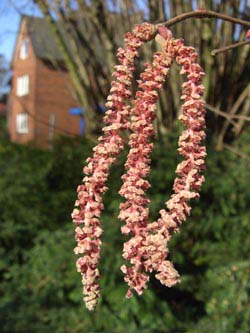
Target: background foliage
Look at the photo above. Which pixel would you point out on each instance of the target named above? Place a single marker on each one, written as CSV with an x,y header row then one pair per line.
x,y
40,288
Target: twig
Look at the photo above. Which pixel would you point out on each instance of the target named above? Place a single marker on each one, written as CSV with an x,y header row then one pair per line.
x,y
47,124
220,113
237,152
201,14
227,115
229,47
232,112
245,110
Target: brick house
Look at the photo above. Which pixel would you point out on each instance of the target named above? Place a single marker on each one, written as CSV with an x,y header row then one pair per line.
x,y
42,92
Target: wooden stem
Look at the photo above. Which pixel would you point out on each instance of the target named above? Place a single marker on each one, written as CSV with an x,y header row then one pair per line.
x,y
202,14
229,47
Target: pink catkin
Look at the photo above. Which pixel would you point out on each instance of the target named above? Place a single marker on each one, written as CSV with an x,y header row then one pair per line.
x,y
134,210
89,204
189,180
147,249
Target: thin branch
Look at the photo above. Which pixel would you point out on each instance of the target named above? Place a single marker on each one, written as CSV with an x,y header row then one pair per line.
x,y
227,115
237,152
237,116
47,124
220,113
70,61
244,112
201,14
232,112
229,47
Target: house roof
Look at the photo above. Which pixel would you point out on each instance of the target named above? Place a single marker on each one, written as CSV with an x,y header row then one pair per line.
x,y
45,45
42,38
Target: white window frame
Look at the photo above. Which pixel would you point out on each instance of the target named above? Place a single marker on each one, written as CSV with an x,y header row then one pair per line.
x,y
22,123
22,88
24,49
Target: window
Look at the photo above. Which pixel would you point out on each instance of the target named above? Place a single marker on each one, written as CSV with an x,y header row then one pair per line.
x,y
22,123
24,49
22,85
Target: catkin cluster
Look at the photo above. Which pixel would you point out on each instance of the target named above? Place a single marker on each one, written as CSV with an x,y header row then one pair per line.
x,y
147,249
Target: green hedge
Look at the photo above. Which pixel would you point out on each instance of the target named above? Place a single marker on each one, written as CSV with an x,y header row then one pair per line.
x,y
40,288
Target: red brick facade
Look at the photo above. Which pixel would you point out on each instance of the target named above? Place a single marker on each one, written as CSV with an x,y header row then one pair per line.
x,y
47,102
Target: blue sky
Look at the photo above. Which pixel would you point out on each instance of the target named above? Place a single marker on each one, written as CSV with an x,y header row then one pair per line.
x,y
9,22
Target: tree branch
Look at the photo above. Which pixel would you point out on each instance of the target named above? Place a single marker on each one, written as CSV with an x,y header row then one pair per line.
x,y
232,112
229,47
227,115
237,152
202,14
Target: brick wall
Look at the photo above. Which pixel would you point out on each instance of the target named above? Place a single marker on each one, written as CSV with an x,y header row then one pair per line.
x,y
25,103
53,99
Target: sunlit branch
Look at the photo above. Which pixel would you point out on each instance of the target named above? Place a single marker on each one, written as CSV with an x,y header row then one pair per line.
x,y
202,14
229,47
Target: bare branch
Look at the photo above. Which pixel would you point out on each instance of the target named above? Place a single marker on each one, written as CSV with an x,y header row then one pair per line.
x,y
232,112
227,115
202,14
230,47
237,152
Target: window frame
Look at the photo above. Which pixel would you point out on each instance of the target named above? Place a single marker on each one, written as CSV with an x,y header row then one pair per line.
x,y
22,123
24,49
23,84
